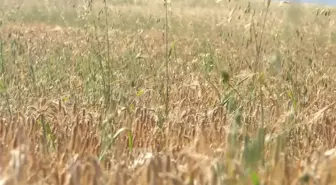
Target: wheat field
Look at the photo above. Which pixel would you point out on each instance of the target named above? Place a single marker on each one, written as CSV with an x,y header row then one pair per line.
x,y
193,92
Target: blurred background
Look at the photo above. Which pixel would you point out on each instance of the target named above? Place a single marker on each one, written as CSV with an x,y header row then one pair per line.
x,y
325,2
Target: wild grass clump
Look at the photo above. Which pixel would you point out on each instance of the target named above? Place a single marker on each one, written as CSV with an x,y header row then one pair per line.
x,y
151,92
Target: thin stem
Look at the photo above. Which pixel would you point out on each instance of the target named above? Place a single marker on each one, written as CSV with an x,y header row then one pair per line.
x,y
108,88
167,57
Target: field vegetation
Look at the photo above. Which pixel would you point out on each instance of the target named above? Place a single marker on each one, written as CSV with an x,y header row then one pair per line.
x,y
190,92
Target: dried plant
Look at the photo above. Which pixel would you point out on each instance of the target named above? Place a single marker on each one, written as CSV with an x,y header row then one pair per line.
x,y
97,93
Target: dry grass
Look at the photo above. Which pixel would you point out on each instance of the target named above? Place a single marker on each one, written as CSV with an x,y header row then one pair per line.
x,y
83,94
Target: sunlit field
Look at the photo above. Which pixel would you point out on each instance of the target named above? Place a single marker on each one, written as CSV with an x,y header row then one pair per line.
x,y
149,92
